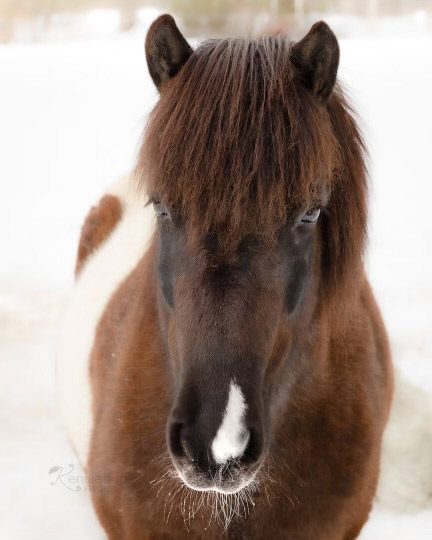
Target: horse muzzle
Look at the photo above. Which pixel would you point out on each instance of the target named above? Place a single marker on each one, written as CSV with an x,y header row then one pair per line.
x,y
219,450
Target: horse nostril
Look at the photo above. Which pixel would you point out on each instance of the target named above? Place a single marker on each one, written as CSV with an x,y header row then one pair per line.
x,y
175,439
253,449
187,449
179,444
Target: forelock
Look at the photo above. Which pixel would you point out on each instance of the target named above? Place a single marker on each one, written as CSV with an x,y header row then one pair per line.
x,y
235,141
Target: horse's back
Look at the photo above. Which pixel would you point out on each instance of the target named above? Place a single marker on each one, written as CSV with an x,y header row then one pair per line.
x,y
113,239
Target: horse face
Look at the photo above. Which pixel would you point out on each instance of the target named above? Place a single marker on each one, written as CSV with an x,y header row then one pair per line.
x,y
234,310
230,320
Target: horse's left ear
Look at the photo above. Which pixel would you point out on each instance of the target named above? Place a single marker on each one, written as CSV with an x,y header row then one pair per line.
x,y
166,49
316,57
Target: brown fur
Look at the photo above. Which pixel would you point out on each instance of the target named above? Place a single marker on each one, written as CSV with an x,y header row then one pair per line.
x,y
216,153
321,476
266,146
98,225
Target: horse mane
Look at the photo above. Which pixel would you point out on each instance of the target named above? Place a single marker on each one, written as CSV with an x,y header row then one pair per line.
x,y
237,143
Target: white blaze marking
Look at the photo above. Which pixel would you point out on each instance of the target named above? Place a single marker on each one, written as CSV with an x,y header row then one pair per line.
x,y
100,277
232,437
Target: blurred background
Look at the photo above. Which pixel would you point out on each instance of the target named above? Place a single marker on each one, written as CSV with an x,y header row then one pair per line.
x,y
42,20
74,97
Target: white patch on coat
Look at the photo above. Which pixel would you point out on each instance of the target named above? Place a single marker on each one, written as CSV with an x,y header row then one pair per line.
x,y
99,279
232,436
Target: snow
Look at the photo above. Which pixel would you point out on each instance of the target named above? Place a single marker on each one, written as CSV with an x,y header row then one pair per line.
x,y
72,114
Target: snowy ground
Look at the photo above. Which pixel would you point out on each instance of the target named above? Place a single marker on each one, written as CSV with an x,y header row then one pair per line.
x,y
71,116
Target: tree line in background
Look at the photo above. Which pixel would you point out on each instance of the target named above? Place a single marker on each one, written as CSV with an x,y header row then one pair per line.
x,y
198,16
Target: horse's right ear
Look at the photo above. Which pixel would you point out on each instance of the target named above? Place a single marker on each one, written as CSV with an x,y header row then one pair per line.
x,y
166,49
316,58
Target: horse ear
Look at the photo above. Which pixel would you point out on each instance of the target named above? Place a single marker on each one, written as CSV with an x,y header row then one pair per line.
x,y
316,57
166,49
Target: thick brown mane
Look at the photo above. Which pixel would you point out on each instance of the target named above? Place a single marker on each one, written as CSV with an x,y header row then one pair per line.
x,y
240,384
237,142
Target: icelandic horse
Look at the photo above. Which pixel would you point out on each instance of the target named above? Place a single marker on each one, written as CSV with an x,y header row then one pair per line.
x,y
225,371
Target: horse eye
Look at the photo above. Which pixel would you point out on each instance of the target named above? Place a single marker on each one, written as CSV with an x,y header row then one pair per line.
x,y
312,215
160,210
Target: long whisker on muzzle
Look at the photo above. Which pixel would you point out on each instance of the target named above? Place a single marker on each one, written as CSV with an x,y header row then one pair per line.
x,y
215,437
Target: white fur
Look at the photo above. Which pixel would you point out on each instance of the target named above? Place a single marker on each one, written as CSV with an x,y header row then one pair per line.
x,y
101,276
406,468
232,437
406,465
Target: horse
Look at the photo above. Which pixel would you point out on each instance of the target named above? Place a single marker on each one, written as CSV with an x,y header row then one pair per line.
x,y
224,369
